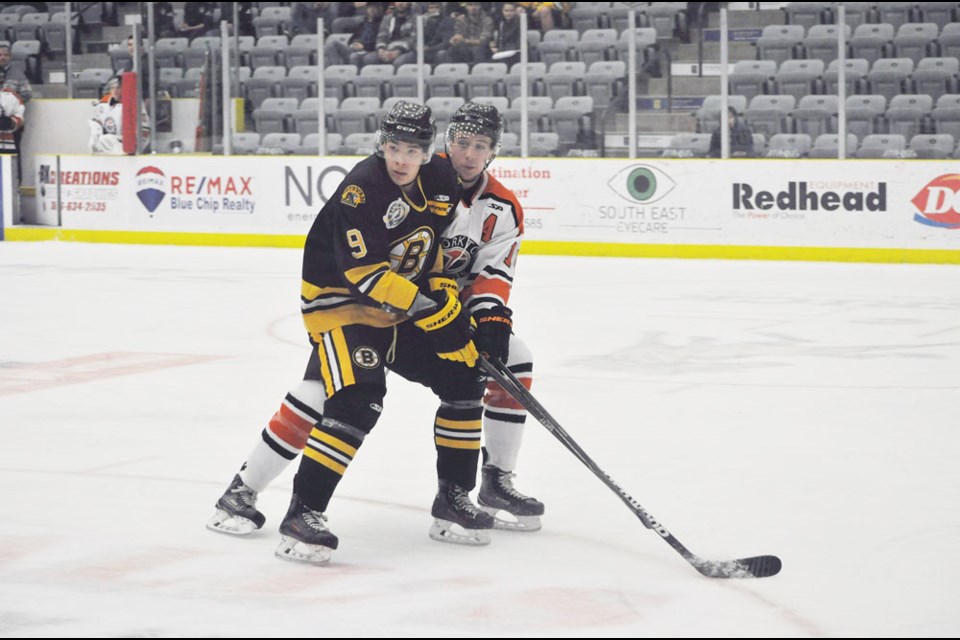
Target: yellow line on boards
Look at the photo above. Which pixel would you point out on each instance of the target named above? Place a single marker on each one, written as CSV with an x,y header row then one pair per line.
x,y
28,234
530,247
706,251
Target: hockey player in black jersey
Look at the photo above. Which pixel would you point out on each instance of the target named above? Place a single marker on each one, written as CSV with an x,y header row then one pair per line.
x,y
480,250
374,297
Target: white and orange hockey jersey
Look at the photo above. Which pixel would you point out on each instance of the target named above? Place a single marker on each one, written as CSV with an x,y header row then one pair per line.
x,y
106,127
11,106
480,248
109,115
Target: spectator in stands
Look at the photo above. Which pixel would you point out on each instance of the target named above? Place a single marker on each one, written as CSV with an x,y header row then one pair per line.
x,y
305,15
543,15
349,9
163,25
244,16
163,114
198,19
741,137
14,78
561,14
438,28
507,37
397,40
362,42
473,32
144,67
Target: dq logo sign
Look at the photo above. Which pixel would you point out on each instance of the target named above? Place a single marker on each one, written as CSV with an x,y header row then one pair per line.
x,y
151,187
938,203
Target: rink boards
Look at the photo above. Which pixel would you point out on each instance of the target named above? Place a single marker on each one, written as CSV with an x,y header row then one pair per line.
x,y
856,210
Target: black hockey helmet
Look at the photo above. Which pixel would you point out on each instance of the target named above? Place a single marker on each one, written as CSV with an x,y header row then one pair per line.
x,y
408,122
477,118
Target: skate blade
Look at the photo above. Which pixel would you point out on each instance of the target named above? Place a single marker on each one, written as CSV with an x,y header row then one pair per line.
x,y
295,551
450,532
505,521
223,522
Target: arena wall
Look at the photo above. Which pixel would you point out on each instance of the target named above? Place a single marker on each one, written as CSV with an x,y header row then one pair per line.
x,y
856,210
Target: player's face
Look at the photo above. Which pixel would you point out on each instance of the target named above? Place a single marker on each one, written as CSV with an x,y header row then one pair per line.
x,y
470,153
403,160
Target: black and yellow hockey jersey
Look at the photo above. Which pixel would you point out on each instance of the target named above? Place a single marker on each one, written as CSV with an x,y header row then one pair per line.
x,y
371,245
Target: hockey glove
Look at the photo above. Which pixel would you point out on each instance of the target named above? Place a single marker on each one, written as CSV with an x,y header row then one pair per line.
x,y
449,328
437,282
493,332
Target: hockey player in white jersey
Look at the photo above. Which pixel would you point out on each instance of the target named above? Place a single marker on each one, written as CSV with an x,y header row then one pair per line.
x,y
480,248
106,126
11,119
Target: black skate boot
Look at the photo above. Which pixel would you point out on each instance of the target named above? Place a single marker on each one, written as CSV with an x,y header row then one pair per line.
x,y
304,536
457,519
237,513
513,511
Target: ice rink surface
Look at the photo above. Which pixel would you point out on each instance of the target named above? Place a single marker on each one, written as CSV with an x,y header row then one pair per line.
x,y
807,410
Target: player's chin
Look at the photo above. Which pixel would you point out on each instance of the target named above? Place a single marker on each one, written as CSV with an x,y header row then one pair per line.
x,y
471,174
404,178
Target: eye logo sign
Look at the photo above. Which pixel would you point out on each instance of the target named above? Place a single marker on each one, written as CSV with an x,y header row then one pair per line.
x,y
641,183
151,187
938,203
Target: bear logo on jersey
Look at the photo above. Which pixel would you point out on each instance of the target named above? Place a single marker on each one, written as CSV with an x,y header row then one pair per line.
x,y
408,256
396,213
353,196
458,254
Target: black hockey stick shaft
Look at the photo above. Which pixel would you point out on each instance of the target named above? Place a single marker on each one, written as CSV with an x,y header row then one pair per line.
x,y
753,567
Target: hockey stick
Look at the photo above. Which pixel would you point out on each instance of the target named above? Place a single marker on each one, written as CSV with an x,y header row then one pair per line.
x,y
752,567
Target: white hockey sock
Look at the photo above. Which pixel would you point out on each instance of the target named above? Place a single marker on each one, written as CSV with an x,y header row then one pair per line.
x,y
285,436
502,441
263,465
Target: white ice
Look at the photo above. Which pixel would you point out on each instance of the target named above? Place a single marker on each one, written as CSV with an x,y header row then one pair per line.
x,y
806,410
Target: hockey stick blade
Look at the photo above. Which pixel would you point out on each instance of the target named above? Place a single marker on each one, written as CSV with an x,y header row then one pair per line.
x,y
755,567
752,567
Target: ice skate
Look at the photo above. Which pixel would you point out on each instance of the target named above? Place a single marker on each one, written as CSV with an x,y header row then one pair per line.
x,y
457,519
237,513
304,536
512,510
